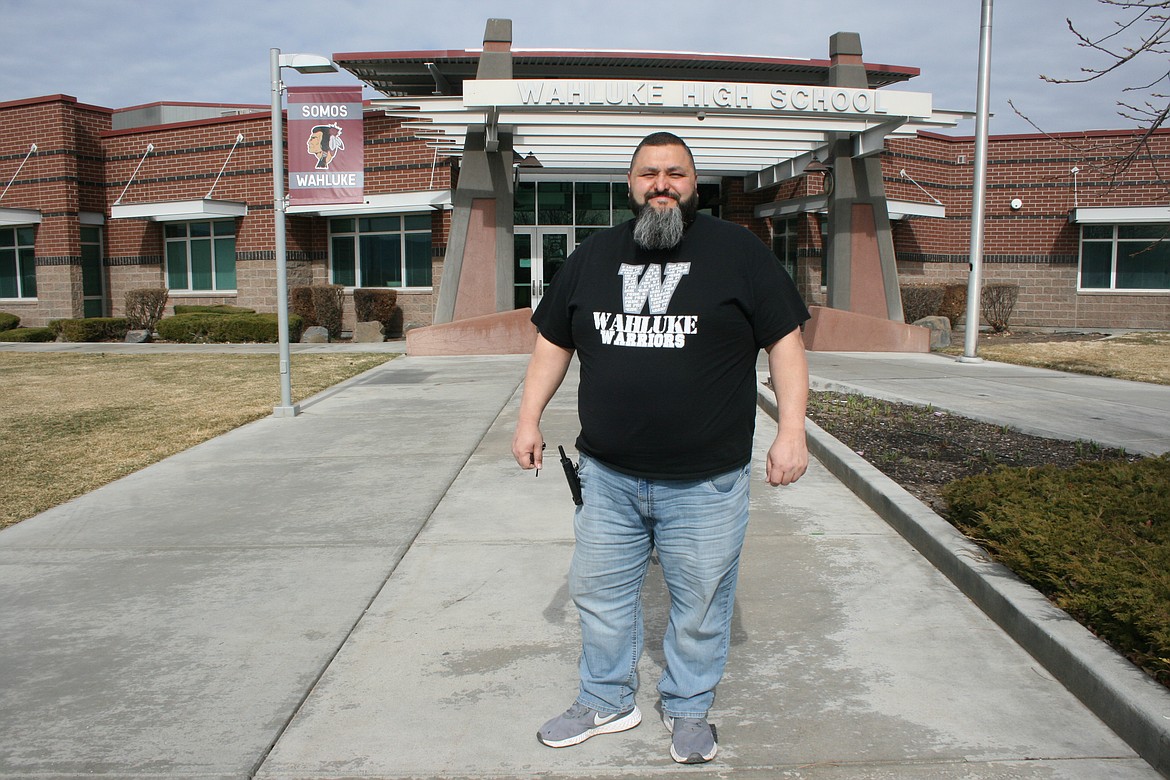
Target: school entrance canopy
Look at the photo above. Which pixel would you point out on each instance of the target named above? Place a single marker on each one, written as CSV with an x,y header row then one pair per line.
x,y
761,119
585,111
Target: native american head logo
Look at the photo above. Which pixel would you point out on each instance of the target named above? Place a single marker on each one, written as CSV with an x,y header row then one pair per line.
x,y
324,143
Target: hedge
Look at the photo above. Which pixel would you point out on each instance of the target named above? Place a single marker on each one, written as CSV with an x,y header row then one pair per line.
x,y
1094,538
91,329
954,302
319,304
921,300
28,334
8,321
226,328
379,305
220,308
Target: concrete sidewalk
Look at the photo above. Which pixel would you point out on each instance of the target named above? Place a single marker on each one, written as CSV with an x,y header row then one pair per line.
x,y
1134,416
374,589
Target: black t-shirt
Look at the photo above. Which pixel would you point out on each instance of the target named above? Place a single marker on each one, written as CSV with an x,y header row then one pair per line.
x,y
667,341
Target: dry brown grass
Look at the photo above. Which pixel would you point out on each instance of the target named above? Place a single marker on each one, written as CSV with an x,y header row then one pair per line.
x,y
1141,357
70,423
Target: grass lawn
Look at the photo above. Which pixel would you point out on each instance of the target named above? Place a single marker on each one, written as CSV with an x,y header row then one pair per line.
x,y
74,422
1141,357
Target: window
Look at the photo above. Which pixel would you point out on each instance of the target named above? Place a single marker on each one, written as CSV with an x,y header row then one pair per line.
x,y
1125,257
784,243
587,205
93,287
18,268
385,251
201,255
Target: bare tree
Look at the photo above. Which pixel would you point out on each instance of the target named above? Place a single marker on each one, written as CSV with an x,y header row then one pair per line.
x,y
1142,32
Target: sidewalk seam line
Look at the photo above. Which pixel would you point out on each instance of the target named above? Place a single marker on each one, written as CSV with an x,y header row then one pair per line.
x,y
263,758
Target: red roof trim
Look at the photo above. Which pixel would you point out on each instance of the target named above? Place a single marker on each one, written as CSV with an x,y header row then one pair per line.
x,y
54,99
219,120
256,106
578,54
1066,134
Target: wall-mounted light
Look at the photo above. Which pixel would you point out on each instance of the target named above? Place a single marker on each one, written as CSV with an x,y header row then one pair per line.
x,y
816,166
523,161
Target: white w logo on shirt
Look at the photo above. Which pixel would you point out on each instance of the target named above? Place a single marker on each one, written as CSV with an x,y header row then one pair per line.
x,y
653,286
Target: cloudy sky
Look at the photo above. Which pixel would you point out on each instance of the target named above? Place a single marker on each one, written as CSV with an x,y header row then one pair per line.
x,y
119,53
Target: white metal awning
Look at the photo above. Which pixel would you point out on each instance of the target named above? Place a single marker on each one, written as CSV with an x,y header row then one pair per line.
x,y
20,217
898,209
732,129
1118,215
392,203
180,210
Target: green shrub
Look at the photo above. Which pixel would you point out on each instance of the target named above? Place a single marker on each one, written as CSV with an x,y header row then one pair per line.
x,y
28,334
199,327
921,300
8,321
91,329
145,307
1094,538
220,308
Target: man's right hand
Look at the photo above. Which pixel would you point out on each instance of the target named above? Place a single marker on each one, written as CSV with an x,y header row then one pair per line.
x,y
528,446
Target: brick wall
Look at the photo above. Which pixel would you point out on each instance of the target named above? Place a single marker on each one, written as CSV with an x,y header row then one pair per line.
x,y
62,178
184,165
83,166
1035,245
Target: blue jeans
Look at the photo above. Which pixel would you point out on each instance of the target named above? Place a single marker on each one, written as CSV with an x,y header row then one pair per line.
x,y
698,528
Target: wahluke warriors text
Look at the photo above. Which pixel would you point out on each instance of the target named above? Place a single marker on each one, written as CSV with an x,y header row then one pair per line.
x,y
662,331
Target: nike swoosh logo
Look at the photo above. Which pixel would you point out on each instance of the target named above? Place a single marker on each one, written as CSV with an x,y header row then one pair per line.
x,y
598,720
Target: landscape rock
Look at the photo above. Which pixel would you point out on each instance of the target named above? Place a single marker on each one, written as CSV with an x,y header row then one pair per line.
x,y
940,331
316,334
137,336
369,332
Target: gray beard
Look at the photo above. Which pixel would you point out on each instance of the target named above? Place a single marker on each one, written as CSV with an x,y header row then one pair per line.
x,y
656,229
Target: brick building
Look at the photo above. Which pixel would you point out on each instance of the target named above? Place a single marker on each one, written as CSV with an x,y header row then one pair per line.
x,y
99,201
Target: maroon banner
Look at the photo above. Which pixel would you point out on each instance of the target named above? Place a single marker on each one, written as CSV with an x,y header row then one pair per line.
x,y
326,159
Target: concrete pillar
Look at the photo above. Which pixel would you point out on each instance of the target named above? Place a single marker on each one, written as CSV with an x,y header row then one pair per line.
x,y
478,270
862,269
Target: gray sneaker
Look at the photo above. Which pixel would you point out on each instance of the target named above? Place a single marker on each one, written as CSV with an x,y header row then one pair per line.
x,y
693,740
579,723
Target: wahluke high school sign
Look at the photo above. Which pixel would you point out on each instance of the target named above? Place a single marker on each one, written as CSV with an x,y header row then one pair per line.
x,y
694,95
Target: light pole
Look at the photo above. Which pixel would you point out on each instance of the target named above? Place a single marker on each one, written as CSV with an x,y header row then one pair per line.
x,y
302,63
975,278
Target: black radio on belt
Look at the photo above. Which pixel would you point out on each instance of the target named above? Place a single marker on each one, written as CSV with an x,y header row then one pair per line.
x,y
572,476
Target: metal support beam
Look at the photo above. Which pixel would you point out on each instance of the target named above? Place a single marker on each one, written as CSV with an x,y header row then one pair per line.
x,y
442,85
873,140
783,171
491,130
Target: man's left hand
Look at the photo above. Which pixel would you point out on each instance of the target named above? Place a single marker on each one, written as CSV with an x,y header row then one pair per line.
x,y
787,459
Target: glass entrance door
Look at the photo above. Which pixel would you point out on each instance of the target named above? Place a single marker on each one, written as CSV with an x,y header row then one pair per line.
x,y
540,253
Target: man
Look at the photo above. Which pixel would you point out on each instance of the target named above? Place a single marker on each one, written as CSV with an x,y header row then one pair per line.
x,y
667,314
